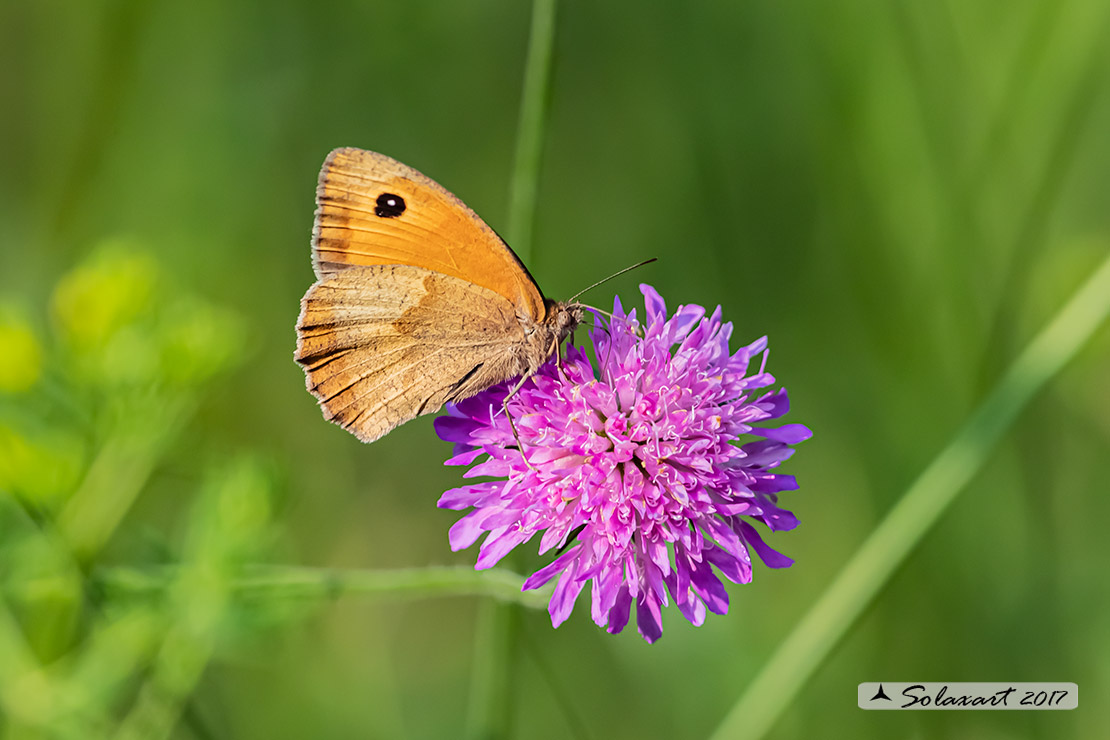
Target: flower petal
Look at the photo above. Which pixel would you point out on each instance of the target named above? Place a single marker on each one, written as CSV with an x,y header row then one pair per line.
x,y
454,428
546,573
467,530
790,434
563,598
499,544
649,617
618,615
771,558
655,308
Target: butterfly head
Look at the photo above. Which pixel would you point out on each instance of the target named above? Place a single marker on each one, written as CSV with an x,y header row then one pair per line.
x,y
563,318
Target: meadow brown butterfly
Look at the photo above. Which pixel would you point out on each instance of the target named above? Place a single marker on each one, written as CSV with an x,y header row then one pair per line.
x,y
417,301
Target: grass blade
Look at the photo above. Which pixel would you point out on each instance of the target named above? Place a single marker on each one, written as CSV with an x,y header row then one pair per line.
x,y
913,516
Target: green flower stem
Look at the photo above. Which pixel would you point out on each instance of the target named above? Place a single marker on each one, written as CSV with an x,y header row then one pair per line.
x,y
274,583
772,690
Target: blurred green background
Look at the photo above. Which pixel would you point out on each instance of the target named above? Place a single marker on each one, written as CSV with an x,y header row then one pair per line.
x,y
899,194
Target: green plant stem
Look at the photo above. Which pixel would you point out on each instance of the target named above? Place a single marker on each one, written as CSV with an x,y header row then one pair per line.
x,y
488,711
272,583
530,134
120,470
772,690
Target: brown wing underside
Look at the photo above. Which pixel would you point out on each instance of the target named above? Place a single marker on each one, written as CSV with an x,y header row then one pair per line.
x,y
435,230
382,345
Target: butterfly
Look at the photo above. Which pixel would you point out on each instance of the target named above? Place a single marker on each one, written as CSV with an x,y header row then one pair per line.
x,y
417,302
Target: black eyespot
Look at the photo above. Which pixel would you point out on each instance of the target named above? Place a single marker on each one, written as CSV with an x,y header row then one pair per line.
x,y
389,205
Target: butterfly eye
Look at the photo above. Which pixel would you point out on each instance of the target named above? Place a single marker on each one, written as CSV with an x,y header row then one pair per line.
x,y
389,206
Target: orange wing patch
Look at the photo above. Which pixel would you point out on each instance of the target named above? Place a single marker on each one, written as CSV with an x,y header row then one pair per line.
x,y
373,210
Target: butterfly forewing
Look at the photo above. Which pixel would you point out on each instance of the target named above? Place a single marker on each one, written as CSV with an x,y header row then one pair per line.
x,y
373,210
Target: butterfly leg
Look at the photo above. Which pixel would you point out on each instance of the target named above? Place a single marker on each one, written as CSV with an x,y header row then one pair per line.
x,y
554,350
557,351
512,425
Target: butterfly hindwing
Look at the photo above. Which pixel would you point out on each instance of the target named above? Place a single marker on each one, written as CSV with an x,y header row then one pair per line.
x,y
383,344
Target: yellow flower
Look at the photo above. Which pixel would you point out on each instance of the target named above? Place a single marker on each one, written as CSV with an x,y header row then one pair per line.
x,y
20,354
103,294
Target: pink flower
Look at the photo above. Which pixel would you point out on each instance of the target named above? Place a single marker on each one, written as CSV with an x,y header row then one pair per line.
x,y
649,469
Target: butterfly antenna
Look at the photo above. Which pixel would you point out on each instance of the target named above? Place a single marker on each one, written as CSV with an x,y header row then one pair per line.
x,y
599,310
615,274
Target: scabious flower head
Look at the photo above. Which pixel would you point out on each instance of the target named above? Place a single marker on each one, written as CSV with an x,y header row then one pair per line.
x,y
644,473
